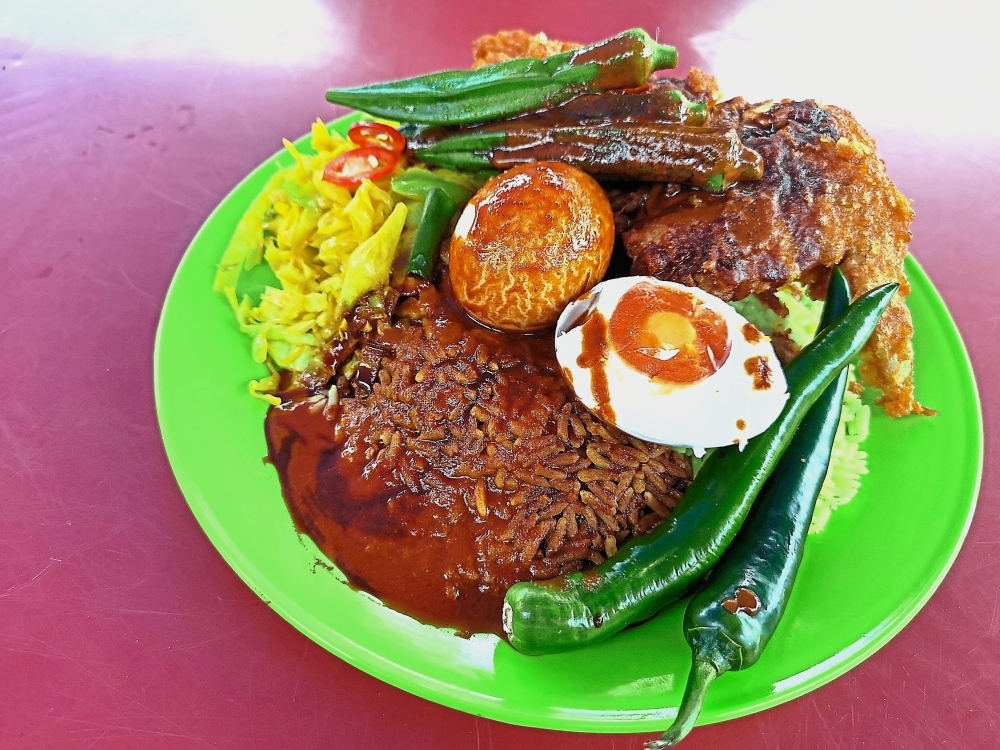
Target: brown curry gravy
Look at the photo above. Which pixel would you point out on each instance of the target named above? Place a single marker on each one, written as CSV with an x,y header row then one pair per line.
x,y
417,558
440,560
593,356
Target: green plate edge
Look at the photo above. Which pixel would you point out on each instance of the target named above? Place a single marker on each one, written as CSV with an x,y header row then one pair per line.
x,y
738,694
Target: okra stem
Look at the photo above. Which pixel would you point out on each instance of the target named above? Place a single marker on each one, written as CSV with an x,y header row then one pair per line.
x,y
703,674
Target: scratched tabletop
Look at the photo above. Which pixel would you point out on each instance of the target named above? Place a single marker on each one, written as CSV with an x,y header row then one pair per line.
x,y
123,124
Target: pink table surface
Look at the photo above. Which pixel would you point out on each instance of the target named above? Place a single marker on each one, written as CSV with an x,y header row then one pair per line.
x,y
123,124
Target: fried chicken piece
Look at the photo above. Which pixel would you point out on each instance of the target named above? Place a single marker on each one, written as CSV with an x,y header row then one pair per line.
x,y
700,86
824,200
507,45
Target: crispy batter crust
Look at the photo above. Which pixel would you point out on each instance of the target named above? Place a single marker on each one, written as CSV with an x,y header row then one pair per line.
x,y
507,45
701,87
825,200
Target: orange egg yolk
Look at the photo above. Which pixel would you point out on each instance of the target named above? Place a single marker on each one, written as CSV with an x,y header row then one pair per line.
x,y
670,336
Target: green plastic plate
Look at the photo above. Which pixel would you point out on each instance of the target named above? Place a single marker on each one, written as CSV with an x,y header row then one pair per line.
x,y
862,579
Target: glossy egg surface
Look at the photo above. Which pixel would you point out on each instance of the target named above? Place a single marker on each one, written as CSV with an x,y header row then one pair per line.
x,y
530,241
669,363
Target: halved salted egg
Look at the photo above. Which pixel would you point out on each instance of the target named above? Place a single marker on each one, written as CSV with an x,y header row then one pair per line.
x,y
669,363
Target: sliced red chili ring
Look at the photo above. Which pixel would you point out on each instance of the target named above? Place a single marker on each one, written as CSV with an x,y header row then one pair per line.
x,y
366,133
351,168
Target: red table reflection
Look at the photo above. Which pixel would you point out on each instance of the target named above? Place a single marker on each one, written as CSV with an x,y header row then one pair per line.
x,y
123,124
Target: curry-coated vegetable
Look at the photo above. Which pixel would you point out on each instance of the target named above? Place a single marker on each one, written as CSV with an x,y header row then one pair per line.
x,y
657,103
462,96
710,158
733,616
439,208
651,571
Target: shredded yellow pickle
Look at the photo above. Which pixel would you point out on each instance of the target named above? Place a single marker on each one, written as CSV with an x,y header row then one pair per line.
x,y
328,246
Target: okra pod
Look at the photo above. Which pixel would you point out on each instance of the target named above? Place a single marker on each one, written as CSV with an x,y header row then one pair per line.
x,y
710,158
504,89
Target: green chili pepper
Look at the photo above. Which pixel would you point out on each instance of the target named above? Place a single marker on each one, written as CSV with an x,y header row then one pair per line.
x,y
438,210
710,158
651,571
462,96
732,617
416,183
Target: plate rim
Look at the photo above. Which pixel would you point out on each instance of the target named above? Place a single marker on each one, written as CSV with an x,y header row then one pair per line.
x,y
445,693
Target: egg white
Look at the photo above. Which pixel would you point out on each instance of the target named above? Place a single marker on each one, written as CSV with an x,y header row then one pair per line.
x,y
697,415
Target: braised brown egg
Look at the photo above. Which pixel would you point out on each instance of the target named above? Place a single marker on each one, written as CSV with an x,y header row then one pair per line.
x,y
530,241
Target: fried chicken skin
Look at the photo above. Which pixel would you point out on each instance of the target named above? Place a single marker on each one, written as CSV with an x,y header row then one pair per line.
x,y
824,200
508,45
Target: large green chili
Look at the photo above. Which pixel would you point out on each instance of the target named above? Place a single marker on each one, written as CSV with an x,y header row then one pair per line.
x,y
651,571
733,616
